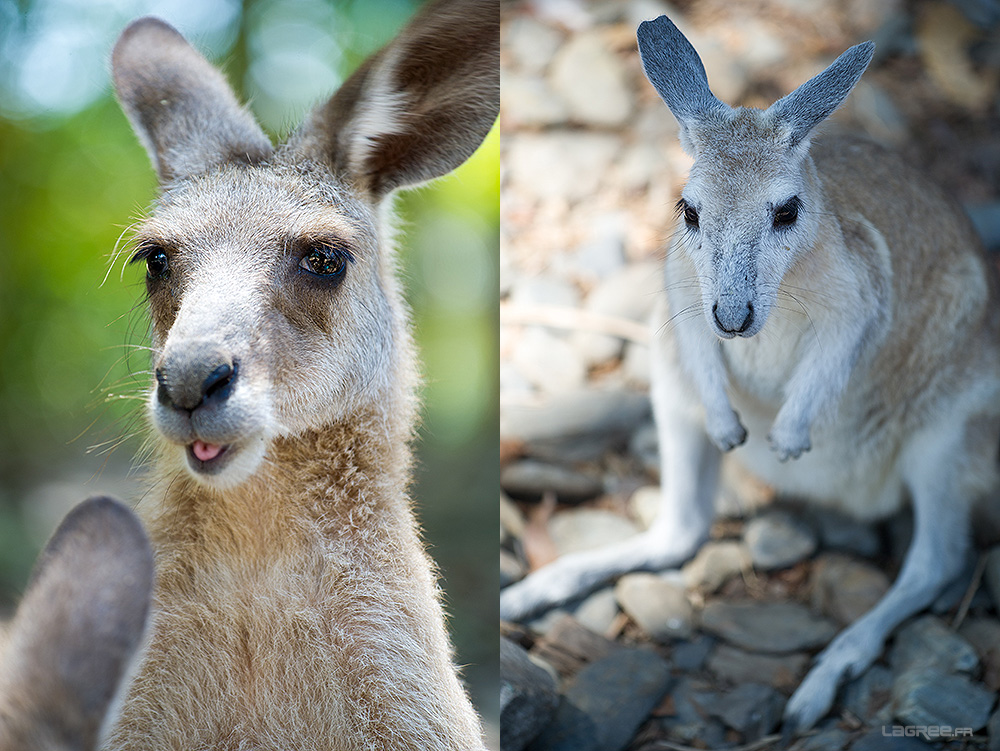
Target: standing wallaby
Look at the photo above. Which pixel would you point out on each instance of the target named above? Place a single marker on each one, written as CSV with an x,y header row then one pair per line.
x,y
75,633
295,607
830,312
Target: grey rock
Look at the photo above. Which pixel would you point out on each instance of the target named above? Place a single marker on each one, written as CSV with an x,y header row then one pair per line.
x,y
877,740
596,348
636,369
604,706
777,628
644,504
606,415
878,114
692,720
832,739
776,540
529,479
642,164
993,731
690,656
954,592
984,636
842,533
560,165
511,569
927,642
738,666
752,709
528,697
629,293
598,611
992,575
602,252
590,78
588,528
869,697
544,289
844,589
530,43
528,101
645,446
548,361
659,606
928,696
986,219
716,563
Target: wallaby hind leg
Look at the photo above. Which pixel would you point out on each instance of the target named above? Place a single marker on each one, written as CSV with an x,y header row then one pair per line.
x,y
690,467
935,558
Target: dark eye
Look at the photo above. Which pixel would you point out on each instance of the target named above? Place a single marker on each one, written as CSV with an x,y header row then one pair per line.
x,y
156,264
690,213
324,261
787,213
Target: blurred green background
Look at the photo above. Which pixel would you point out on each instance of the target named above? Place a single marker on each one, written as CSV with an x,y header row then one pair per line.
x,y
73,177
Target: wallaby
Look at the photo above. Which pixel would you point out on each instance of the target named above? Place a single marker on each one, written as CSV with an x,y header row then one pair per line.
x,y
829,311
64,655
295,606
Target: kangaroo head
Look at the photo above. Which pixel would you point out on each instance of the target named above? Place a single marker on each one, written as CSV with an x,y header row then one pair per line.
x,y
274,307
750,207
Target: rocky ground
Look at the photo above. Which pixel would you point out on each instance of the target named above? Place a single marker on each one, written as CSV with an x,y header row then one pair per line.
x,y
705,657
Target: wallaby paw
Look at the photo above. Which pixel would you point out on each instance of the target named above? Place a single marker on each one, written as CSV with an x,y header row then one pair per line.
x,y
789,443
846,657
727,433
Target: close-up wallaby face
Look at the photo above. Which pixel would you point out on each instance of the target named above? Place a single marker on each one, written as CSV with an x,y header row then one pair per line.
x,y
261,327
744,228
270,290
746,206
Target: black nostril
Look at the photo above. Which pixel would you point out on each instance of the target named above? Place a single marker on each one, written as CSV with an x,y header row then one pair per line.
x,y
748,320
715,315
162,394
219,383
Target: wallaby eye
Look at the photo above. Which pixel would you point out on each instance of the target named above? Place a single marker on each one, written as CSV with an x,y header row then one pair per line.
x,y
156,264
155,256
690,213
324,261
786,214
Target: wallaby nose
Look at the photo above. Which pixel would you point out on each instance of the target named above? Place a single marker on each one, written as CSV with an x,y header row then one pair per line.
x,y
195,377
733,319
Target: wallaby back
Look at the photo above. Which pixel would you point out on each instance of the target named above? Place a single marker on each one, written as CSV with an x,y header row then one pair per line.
x,y
76,630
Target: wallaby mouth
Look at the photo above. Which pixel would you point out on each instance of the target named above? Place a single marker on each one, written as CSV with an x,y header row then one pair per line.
x,y
208,458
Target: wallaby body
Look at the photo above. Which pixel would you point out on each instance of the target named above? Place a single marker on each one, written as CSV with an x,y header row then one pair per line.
x,y
295,606
831,313
67,651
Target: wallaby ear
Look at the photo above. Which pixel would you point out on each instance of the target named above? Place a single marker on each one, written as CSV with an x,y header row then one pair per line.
x,y
817,98
75,632
676,72
179,105
419,107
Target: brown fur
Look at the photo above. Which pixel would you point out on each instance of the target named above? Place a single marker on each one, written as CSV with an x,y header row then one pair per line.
x,y
295,606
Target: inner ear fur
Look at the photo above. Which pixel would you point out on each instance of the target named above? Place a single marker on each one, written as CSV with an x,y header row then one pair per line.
x,y
180,105
419,107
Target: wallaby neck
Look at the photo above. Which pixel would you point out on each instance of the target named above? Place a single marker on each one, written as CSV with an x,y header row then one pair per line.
x,y
344,476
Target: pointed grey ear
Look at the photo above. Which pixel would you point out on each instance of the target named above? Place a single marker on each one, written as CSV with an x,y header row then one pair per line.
x,y
179,105
817,98
419,107
676,71
73,637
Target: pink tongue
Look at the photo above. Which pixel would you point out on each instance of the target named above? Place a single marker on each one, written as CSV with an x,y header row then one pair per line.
x,y
205,451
